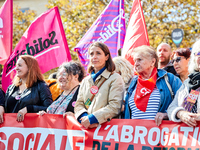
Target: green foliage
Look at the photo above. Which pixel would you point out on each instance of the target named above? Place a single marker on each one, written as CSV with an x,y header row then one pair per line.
x,y
77,17
21,22
161,16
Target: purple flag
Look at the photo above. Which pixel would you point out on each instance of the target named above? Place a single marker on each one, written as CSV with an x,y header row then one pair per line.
x,y
109,28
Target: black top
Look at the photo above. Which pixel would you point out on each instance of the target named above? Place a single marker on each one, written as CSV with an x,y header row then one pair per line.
x,y
12,101
36,98
2,98
70,106
170,69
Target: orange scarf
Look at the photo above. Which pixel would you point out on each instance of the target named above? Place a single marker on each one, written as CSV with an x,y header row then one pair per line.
x,y
144,90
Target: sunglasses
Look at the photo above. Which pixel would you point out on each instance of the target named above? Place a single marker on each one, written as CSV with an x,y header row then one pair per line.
x,y
176,60
197,54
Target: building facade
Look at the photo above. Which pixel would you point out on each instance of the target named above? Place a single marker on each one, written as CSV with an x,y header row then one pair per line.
x,y
38,5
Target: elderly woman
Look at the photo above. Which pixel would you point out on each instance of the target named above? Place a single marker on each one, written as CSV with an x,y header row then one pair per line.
x,y
100,95
70,74
186,104
148,96
180,61
28,93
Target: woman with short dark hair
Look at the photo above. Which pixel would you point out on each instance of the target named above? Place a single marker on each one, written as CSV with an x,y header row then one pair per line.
x,y
180,61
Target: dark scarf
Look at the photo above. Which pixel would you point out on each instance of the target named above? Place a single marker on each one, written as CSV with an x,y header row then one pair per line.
x,y
95,75
194,81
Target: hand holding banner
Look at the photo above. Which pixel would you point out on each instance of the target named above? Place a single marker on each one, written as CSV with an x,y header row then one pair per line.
x,y
54,132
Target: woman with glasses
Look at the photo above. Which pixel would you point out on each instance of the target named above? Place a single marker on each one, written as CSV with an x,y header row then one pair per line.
x,y
180,61
186,105
69,75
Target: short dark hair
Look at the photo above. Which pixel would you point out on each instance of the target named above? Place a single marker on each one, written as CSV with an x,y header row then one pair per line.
x,y
183,52
74,68
110,66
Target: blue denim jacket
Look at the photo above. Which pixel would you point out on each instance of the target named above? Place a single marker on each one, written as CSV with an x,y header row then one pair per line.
x,y
165,95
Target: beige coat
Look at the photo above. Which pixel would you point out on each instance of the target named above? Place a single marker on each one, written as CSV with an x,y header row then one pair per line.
x,y
107,102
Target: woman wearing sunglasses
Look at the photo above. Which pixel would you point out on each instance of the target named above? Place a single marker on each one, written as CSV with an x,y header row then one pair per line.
x,y
180,61
186,105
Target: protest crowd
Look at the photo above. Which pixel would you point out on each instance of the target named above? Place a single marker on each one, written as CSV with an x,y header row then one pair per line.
x,y
156,87
153,84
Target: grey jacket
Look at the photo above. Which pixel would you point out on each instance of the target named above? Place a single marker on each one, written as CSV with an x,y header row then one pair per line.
x,y
175,106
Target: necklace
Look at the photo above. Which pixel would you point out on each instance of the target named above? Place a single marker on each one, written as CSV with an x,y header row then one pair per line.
x,y
64,97
70,91
18,96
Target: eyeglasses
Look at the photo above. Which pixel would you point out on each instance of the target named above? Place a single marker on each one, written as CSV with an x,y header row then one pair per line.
x,y
62,74
197,54
176,60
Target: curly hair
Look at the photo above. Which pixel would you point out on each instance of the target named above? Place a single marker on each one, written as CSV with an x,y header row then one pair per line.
x,y
124,68
73,68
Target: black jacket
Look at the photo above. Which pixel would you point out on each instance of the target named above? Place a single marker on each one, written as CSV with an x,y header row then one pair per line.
x,y
2,99
70,106
36,98
170,68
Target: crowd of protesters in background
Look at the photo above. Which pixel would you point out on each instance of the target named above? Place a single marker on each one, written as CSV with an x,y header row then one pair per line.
x,y
151,89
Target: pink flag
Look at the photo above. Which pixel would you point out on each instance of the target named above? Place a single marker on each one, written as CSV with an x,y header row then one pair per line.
x,y
6,30
109,28
45,40
136,33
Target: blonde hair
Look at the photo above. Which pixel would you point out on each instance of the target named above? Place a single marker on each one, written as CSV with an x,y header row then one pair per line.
x,y
124,67
193,66
148,52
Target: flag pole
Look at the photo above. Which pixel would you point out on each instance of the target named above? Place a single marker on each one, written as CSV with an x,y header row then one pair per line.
x,y
11,41
119,27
